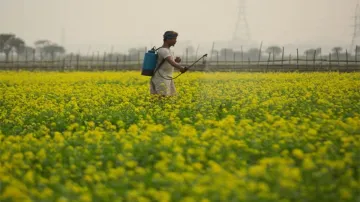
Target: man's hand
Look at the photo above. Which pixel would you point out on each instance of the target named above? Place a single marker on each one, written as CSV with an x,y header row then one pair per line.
x,y
178,59
183,70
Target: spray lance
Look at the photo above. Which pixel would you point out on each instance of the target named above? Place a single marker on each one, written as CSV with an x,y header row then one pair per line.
x,y
187,68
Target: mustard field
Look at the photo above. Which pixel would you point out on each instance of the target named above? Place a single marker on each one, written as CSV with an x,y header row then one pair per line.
x,y
100,136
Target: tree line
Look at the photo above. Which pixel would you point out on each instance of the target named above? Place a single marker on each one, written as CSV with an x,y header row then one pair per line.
x,y
276,51
44,48
47,49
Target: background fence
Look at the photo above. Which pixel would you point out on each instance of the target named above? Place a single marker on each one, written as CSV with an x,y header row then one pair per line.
x,y
262,62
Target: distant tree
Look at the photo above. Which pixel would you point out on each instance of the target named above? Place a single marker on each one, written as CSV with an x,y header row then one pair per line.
x,y
17,44
53,49
9,42
311,52
27,51
39,46
4,44
4,38
276,50
42,43
253,53
337,49
356,51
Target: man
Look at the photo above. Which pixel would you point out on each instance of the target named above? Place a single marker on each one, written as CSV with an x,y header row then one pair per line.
x,y
161,82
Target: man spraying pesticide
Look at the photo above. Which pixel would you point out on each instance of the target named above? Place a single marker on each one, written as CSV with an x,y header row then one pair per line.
x,y
160,67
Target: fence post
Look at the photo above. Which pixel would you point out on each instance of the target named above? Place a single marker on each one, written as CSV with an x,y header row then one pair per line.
x,y
138,58
71,55
104,60
329,61
289,59
297,59
249,64
26,59
58,64
117,63
63,66
314,60
225,56
267,65
347,61
234,60
273,56
97,60
337,53
187,55
259,58
217,59
321,61
92,61
12,60
18,62
53,62
77,61
260,54
41,59
34,60
242,56
356,51
50,64
110,59
282,58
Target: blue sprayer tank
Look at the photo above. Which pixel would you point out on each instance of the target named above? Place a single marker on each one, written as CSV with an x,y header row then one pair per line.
x,y
149,63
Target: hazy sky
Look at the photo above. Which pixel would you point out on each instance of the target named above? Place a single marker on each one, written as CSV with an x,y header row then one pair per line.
x,y
126,23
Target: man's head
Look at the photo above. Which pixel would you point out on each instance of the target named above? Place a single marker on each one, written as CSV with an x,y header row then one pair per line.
x,y
170,37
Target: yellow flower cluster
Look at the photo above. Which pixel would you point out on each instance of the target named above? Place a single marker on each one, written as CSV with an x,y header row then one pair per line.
x,y
100,136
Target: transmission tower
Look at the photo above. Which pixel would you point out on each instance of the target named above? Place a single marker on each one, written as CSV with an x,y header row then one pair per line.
x,y
356,34
242,32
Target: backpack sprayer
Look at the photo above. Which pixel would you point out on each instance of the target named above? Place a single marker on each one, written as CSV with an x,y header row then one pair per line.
x,y
149,63
150,60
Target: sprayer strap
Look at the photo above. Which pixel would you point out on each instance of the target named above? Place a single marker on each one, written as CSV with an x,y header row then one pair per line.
x,y
161,63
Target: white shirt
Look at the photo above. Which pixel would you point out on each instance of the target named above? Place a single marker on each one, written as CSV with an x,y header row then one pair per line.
x,y
161,82
166,70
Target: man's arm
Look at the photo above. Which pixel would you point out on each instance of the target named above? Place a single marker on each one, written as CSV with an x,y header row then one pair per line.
x,y
170,60
164,53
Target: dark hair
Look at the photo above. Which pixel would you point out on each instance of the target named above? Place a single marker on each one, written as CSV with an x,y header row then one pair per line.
x,y
170,35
